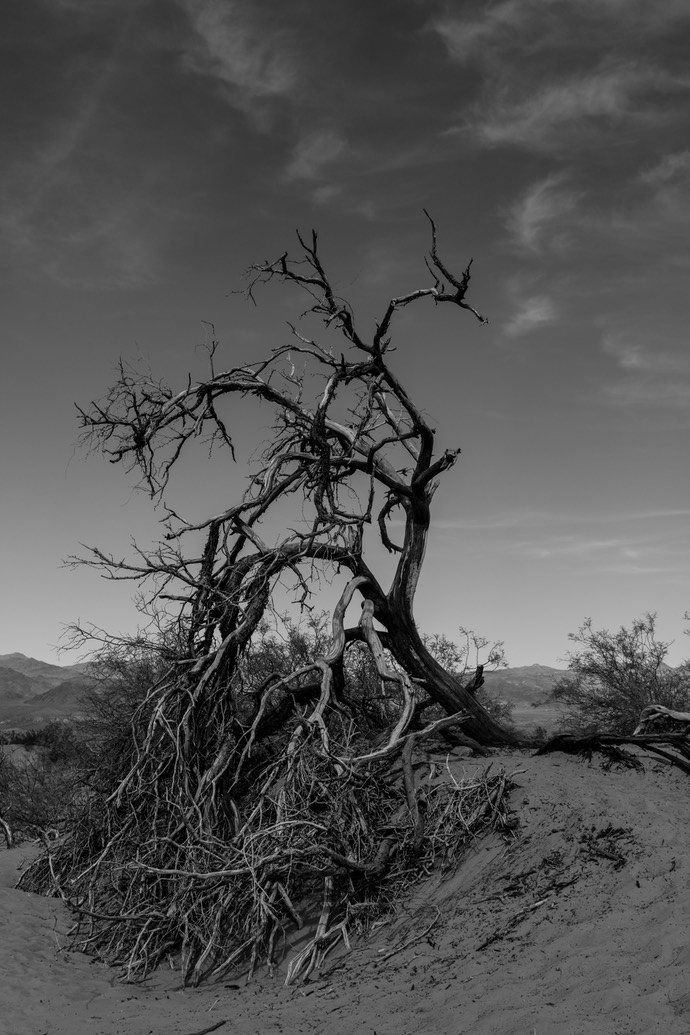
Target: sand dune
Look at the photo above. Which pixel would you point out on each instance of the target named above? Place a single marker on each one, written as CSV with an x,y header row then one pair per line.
x,y
579,923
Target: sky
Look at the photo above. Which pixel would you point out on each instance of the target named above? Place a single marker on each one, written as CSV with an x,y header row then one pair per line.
x,y
152,149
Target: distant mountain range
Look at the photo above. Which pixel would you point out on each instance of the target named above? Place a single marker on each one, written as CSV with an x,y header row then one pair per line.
x,y
33,692
526,688
528,684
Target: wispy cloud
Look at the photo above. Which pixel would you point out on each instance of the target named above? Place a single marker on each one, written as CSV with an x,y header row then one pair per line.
x,y
569,546
327,193
313,153
649,376
109,246
663,394
536,219
560,114
67,213
641,358
549,78
669,183
511,27
467,38
533,26
238,48
532,313
672,168
652,554
525,518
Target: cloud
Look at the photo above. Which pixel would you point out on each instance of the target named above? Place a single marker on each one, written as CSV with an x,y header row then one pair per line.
x,y
569,545
671,168
669,183
532,217
558,72
548,117
534,25
72,206
529,518
650,377
628,356
53,155
651,554
324,195
466,39
533,313
312,153
662,394
108,246
252,62
633,356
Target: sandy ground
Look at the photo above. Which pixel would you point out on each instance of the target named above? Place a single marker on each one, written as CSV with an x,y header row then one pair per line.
x,y
580,922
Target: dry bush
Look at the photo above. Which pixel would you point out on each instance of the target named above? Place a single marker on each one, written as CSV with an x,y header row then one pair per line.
x,y
462,659
616,675
40,790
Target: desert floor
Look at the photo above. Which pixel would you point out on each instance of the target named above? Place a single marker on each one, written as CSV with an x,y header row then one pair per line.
x,y
577,923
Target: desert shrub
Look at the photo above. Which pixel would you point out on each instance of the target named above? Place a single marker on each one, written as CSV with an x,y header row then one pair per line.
x,y
283,645
41,786
462,659
496,706
37,793
287,645
60,742
115,712
27,738
615,675
70,767
75,766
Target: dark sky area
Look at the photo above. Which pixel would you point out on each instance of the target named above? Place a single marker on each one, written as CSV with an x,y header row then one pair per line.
x,y
152,149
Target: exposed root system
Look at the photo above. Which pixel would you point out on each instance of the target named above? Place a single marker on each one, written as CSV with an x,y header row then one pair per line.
x,y
215,847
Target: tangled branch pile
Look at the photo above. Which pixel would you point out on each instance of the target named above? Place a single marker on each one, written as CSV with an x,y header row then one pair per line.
x,y
216,845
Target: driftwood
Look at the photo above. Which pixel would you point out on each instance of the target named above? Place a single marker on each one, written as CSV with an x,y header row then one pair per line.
x,y
676,751
653,712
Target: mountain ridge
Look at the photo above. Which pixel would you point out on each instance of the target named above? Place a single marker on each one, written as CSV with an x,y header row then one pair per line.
x,y
34,692
43,673
37,692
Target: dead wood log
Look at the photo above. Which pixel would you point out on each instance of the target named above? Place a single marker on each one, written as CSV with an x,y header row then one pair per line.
x,y
653,712
609,744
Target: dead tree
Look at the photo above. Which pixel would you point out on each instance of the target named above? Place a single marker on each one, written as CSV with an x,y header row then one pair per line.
x,y
234,790
358,454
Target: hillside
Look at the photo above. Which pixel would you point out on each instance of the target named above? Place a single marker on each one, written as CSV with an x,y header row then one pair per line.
x,y
33,692
43,674
529,684
63,701
15,687
526,688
